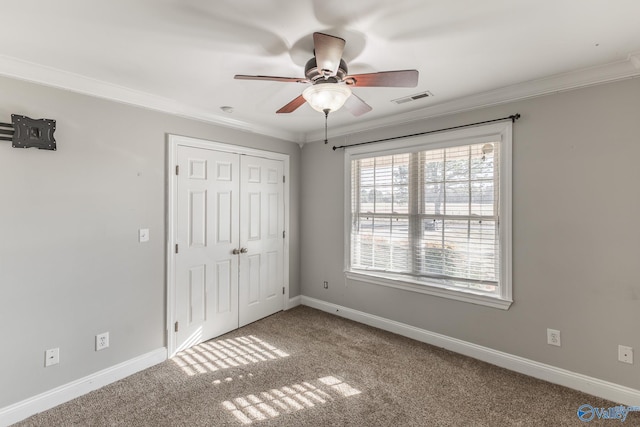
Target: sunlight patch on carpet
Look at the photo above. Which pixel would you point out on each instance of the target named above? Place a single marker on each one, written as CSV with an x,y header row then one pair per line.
x,y
211,356
229,379
275,402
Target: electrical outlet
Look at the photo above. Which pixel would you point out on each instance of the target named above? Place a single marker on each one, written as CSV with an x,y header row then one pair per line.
x,y
102,341
51,357
326,284
625,354
553,337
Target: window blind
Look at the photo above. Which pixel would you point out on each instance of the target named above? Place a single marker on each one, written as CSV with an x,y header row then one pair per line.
x,y
430,215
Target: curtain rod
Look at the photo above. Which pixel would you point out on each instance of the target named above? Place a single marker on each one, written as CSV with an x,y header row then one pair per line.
x,y
513,118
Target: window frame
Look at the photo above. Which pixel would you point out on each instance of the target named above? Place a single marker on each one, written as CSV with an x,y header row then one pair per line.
x,y
495,132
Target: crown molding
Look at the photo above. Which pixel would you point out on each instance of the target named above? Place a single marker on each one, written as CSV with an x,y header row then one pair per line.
x,y
49,76
618,70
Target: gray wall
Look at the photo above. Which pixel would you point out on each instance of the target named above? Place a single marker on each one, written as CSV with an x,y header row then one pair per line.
x,y
71,267
70,263
576,240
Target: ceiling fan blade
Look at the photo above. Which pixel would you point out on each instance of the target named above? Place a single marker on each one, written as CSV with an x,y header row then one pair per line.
x,y
356,105
401,78
293,105
272,78
328,52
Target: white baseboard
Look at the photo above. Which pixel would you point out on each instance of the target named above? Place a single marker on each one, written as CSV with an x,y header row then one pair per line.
x,y
47,400
294,302
593,386
596,387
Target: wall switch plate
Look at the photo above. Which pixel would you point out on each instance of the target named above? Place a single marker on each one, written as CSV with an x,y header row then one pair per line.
x,y
51,357
326,284
553,337
143,235
625,354
102,341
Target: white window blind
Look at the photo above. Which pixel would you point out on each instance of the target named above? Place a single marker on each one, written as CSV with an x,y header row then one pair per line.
x,y
429,215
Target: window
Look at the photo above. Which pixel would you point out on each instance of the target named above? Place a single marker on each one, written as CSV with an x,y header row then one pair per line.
x,y
432,214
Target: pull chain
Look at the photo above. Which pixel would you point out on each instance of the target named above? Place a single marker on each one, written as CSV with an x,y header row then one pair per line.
x,y
326,117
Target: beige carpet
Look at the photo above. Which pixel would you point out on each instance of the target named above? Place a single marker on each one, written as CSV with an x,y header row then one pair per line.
x,y
304,367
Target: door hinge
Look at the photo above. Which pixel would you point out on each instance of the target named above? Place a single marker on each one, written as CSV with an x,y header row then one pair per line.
x,y
177,169
283,290
284,233
176,248
284,178
175,327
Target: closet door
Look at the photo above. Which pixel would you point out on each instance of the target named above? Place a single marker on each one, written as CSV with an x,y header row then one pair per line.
x,y
228,264
207,232
261,262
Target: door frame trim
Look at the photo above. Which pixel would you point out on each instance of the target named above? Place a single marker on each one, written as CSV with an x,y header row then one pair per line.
x,y
173,142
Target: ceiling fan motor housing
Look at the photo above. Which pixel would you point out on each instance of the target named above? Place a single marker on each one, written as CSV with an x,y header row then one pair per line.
x,y
315,75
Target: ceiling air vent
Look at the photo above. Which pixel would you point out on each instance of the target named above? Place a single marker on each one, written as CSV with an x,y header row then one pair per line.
x,y
415,97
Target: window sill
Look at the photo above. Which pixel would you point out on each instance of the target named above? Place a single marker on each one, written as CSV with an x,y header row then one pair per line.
x,y
454,294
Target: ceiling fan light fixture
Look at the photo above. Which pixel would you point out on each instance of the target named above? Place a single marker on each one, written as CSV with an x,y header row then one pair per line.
x,y
326,96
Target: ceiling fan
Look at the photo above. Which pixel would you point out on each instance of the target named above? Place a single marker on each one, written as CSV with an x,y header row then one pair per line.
x,y
331,83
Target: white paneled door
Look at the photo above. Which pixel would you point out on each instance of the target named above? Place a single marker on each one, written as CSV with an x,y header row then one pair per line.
x,y
229,225
261,235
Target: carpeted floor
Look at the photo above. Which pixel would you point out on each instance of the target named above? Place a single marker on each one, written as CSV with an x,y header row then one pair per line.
x,y
304,367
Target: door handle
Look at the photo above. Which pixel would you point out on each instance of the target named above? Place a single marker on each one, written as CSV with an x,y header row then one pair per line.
x,y
235,251
244,250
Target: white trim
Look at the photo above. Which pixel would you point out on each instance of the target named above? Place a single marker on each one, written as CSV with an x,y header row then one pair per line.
x,y
454,294
618,70
173,141
593,386
59,395
472,134
499,131
596,387
49,76
229,148
54,77
294,302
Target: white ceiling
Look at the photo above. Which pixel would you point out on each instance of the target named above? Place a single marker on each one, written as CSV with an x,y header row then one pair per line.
x,y
181,55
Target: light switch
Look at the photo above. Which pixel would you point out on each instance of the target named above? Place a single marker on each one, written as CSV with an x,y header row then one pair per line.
x,y
143,235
